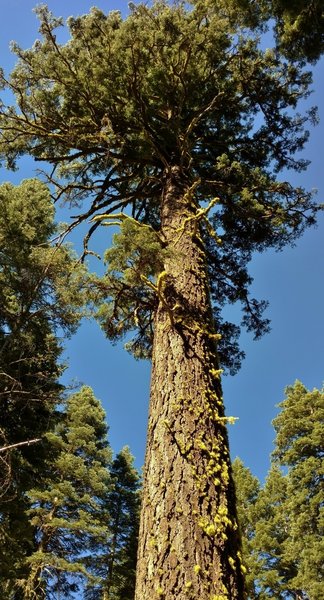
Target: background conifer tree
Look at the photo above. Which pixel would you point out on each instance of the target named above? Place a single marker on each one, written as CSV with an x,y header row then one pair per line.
x,y
116,564
40,294
174,121
299,449
66,509
247,488
271,535
282,523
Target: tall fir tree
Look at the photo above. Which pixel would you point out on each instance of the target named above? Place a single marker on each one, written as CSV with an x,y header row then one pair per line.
x,y
116,564
299,448
247,488
177,118
283,523
272,571
40,292
66,509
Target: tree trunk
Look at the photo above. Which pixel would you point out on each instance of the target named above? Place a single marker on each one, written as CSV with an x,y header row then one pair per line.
x,y
189,546
112,553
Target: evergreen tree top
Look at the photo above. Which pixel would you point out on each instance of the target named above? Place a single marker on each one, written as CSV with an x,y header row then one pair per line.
x,y
172,90
284,540
300,425
124,100
38,279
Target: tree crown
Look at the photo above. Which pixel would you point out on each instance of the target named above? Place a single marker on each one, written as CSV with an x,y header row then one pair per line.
x,y
124,101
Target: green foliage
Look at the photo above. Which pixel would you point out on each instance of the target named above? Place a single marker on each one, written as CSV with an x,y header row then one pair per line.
x,y
247,492
40,294
116,564
124,503
66,508
271,535
282,523
125,294
37,279
53,508
124,101
300,28
40,291
299,448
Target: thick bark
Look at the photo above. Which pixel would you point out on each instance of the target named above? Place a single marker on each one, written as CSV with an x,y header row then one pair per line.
x,y
189,546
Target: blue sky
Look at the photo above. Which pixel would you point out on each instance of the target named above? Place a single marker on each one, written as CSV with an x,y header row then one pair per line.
x,y
292,281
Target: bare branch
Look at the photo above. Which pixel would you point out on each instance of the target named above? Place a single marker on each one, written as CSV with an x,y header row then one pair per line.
x,y
26,443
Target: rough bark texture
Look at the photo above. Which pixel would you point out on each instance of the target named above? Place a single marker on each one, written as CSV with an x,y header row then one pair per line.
x,y
189,545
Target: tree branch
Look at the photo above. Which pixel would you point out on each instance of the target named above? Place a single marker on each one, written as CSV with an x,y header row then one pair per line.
x,y
26,443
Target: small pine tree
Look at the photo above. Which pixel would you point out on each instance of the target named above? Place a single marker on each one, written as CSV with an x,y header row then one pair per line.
x,y
271,535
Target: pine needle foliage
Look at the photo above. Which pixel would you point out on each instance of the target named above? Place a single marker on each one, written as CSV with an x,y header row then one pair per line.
x,y
66,510
123,101
282,522
116,563
40,296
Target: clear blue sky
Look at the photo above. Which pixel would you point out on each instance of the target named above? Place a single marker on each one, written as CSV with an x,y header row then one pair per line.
x,y
292,281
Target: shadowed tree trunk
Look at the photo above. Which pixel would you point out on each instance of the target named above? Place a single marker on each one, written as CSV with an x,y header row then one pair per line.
x,y
188,546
